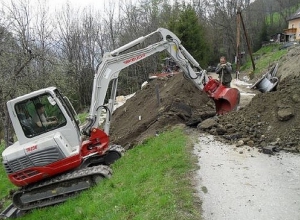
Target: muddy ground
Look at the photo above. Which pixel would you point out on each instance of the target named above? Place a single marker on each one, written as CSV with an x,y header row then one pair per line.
x,y
263,120
162,103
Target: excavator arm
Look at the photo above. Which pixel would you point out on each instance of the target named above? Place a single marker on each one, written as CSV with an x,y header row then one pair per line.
x,y
113,62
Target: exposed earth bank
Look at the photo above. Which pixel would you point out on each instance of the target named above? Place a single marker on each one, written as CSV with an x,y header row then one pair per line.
x,y
162,103
263,120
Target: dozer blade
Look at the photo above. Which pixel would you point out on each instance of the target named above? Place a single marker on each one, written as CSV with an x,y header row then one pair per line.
x,y
226,99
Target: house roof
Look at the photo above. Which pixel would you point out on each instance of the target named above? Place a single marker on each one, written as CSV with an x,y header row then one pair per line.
x,y
295,15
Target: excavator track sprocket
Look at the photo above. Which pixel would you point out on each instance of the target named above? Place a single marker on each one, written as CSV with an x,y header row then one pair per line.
x,y
114,153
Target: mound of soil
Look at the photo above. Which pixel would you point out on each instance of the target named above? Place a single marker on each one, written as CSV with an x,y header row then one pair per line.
x,y
162,103
270,119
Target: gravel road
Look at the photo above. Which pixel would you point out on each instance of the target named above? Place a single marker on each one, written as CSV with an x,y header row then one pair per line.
x,y
244,184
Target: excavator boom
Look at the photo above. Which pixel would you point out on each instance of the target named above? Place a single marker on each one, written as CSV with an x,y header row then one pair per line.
x,y
226,99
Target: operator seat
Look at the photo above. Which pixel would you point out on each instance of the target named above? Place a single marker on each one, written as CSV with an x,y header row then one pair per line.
x,y
27,124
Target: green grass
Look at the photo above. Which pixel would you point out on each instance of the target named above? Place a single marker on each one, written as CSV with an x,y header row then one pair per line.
x,y
263,59
150,182
277,17
82,117
5,184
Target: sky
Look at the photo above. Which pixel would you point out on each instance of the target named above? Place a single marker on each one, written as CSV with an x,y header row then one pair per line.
x,y
57,4
80,3
97,4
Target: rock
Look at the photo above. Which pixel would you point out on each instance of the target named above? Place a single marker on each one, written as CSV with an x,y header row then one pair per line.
x,y
232,136
221,130
213,131
250,143
285,114
246,139
207,124
208,114
296,98
239,143
268,150
263,144
231,130
227,126
193,122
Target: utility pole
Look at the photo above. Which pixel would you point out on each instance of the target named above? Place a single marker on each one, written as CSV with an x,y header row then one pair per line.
x,y
238,37
248,42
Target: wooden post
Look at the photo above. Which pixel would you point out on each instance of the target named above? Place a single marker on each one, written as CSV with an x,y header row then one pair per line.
x,y
157,95
238,36
248,43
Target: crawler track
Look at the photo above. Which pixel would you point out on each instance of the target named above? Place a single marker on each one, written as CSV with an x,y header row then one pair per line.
x,y
59,188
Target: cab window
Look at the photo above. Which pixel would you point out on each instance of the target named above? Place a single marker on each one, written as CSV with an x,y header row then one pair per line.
x,y
39,115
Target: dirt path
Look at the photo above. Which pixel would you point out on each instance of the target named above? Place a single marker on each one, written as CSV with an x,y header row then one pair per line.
x,y
241,183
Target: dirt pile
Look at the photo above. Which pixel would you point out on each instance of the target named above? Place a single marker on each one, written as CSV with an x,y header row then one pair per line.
x,y
289,64
160,104
271,119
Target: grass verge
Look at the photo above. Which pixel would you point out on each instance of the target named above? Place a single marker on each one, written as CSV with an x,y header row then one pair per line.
x,y
264,58
152,181
5,184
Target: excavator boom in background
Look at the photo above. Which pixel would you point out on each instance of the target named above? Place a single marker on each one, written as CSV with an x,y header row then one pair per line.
x,y
56,159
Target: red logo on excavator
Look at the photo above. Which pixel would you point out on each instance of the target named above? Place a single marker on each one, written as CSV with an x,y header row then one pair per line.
x,y
32,148
134,58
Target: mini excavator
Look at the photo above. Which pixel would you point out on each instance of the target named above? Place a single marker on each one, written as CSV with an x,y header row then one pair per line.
x,y
56,159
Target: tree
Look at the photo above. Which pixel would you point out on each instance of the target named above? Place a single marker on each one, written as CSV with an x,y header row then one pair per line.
x,y
16,57
192,34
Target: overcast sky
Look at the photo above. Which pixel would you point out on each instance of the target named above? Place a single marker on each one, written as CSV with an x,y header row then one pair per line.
x,y
97,4
57,4
80,3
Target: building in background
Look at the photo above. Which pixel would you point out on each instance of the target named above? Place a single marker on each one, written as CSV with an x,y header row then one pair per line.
x,y
292,33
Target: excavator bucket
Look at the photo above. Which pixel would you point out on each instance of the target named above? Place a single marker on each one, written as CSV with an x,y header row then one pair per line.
x,y
226,99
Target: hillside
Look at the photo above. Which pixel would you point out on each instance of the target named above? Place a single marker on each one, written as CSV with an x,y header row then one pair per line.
x,y
271,119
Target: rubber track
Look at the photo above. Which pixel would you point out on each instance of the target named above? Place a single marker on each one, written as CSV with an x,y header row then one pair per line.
x,y
102,170
117,148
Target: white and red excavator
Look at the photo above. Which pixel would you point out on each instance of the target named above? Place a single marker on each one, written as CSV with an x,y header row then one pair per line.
x,y
51,162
